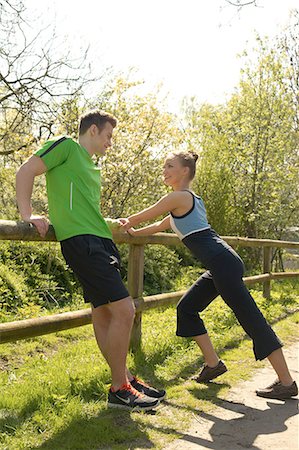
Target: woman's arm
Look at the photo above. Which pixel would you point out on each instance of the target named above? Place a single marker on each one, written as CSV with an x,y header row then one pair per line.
x,y
166,204
151,229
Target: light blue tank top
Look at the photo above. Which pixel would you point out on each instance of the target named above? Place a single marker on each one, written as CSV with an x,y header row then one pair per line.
x,y
193,221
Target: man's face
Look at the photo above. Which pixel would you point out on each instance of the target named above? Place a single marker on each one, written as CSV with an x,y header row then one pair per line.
x,y
103,138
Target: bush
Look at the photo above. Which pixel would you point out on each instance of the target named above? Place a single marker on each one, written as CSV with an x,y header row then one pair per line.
x,y
161,266
13,289
187,277
46,279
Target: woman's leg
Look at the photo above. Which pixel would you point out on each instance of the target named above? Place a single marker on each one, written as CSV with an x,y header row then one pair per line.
x,y
285,387
210,356
227,276
278,362
189,323
227,273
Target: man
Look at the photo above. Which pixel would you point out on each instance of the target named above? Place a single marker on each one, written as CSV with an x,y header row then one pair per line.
x,y
73,188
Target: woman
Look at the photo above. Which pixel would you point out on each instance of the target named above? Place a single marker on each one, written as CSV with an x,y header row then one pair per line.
x,y
223,277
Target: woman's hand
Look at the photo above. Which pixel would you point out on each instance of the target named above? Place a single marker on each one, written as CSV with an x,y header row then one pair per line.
x,y
132,231
125,226
125,223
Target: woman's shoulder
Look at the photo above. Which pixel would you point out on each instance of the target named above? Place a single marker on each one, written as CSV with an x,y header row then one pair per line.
x,y
178,200
180,194
194,194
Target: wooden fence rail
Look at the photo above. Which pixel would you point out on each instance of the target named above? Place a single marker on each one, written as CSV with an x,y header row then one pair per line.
x,y
23,329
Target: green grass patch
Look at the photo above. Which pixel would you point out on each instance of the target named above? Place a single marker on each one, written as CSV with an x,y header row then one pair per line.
x,y
53,389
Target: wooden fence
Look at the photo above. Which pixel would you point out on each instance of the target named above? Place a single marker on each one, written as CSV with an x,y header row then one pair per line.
x,y
23,329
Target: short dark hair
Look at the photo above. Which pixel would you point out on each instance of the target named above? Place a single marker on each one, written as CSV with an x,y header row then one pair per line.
x,y
98,118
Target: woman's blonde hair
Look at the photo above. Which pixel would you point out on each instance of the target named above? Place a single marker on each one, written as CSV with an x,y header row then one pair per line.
x,y
187,159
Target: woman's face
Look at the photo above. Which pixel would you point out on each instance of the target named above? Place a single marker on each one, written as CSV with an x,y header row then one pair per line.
x,y
173,171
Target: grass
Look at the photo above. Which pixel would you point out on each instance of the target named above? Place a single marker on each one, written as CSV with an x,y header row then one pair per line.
x,y
53,389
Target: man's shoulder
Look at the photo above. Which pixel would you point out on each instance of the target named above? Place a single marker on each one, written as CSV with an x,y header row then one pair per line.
x,y
57,150
64,143
60,139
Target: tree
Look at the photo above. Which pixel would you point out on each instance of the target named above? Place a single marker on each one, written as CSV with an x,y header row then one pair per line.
x,y
266,148
288,45
34,74
205,130
249,165
131,170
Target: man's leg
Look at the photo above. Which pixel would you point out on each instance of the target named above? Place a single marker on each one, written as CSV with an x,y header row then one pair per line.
x,y
112,325
96,263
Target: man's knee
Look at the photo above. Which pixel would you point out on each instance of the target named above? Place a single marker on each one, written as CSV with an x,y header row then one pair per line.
x,y
123,309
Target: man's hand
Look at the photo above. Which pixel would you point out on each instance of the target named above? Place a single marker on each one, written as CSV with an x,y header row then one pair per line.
x,y
40,222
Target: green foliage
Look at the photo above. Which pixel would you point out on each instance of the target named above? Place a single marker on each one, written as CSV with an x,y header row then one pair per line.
x,y
8,207
46,281
12,289
187,277
249,168
132,168
161,267
39,273
8,204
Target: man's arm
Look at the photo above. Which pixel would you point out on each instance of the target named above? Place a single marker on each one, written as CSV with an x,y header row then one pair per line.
x,y
25,176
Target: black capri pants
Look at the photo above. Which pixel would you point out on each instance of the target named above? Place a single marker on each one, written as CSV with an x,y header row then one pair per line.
x,y
224,278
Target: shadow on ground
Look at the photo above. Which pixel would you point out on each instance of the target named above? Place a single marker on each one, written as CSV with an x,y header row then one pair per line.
x,y
243,430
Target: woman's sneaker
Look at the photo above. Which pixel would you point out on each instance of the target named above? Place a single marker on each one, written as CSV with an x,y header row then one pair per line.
x,y
278,391
209,373
129,398
148,390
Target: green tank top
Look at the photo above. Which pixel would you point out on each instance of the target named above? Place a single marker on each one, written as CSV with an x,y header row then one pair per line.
x,y
74,189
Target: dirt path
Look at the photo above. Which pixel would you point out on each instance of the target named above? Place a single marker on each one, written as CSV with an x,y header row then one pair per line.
x,y
244,420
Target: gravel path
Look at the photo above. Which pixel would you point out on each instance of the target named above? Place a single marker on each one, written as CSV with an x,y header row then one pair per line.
x,y
244,420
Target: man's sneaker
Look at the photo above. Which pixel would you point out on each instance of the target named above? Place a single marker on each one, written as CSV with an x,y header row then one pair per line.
x,y
278,391
129,398
209,373
150,391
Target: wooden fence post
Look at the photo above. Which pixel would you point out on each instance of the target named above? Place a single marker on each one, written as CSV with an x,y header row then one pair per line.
x,y
267,253
135,287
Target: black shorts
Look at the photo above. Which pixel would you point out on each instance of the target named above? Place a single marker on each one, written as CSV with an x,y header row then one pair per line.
x,y
96,262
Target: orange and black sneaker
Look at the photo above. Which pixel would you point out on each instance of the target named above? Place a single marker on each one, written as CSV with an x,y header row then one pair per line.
x,y
148,390
129,398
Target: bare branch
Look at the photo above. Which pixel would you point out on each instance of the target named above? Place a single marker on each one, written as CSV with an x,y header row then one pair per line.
x,y
240,3
34,77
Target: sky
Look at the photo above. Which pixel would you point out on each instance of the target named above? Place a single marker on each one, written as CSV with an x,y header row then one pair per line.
x,y
191,47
